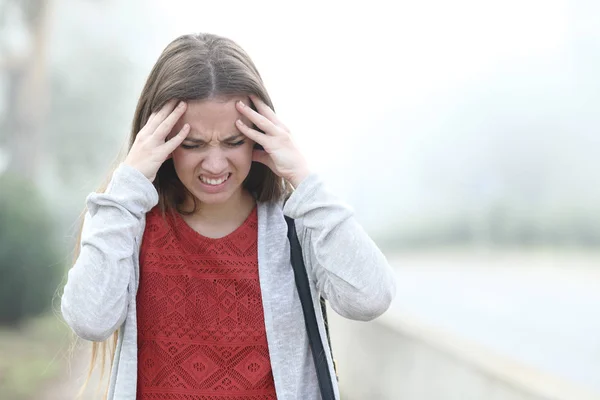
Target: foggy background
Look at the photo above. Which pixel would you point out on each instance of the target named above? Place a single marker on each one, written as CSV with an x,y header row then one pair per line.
x,y
464,134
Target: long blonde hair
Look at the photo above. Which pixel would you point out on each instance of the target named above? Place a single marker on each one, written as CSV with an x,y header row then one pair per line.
x,y
194,67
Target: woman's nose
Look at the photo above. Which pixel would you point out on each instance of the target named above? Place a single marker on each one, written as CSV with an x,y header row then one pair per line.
x,y
215,162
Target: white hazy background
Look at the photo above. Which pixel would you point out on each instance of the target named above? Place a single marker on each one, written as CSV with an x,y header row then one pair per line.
x,y
466,125
413,110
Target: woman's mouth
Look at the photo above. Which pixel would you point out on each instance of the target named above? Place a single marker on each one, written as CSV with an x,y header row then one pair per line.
x,y
214,181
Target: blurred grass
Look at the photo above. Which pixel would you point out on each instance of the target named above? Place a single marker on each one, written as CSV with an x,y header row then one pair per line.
x,y
31,355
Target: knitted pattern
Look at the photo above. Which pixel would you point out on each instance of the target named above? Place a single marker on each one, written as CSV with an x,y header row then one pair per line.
x,y
201,330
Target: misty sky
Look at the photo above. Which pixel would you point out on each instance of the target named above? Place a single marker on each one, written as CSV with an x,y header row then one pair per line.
x,y
405,107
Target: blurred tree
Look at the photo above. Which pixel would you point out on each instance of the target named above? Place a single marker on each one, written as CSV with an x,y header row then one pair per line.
x,y
24,69
90,112
65,105
94,85
29,274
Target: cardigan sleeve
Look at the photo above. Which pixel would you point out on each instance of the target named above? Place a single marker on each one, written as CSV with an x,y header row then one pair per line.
x,y
346,265
95,298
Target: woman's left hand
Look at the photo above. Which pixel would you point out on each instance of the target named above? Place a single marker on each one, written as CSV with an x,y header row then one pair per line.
x,y
280,153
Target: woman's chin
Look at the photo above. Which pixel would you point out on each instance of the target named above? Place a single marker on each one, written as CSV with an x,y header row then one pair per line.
x,y
215,192
215,197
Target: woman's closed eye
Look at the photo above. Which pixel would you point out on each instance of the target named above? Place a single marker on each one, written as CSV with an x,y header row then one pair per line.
x,y
201,145
236,144
189,146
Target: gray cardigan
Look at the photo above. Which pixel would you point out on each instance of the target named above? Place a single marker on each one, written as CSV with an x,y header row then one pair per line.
x,y
343,264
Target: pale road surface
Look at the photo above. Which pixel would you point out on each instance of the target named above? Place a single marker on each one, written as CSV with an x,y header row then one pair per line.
x,y
541,309
68,384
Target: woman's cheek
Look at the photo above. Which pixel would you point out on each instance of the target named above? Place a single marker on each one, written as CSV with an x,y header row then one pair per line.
x,y
184,161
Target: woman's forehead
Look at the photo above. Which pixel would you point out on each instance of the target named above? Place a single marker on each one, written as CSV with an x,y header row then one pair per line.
x,y
213,119
211,113
217,110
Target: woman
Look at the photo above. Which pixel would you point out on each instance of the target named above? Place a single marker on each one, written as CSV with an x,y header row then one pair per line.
x,y
184,257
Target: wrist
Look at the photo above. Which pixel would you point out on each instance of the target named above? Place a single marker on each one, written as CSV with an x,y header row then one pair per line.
x,y
140,170
298,177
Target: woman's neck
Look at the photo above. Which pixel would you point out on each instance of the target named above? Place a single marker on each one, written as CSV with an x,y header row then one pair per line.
x,y
217,220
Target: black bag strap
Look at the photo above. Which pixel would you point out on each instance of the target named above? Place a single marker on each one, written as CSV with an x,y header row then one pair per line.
x,y
310,318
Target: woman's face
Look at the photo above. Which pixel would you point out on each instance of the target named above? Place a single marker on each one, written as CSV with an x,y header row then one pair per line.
x,y
215,158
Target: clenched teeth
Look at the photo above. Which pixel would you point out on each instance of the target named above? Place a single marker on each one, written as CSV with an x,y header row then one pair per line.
x,y
214,182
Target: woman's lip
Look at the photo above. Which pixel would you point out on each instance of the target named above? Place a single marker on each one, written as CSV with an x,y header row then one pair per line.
x,y
216,177
213,188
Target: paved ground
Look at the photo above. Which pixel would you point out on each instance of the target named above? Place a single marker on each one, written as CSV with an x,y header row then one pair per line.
x,y
539,308
67,386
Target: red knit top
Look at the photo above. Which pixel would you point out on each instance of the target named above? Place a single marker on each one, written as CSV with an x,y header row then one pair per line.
x,y
200,321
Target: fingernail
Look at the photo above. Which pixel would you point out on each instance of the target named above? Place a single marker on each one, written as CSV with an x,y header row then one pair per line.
x,y
181,104
241,103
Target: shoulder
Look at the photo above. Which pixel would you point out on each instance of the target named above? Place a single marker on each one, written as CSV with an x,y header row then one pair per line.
x,y
270,215
272,220
153,215
157,222
267,210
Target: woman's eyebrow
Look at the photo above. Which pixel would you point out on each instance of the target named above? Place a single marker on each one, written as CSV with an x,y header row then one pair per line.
x,y
231,138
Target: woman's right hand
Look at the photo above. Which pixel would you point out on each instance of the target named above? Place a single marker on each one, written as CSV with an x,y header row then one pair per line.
x,y
150,148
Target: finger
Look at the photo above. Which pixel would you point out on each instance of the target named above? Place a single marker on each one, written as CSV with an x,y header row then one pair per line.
x,y
167,125
145,131
259,120
148,125
176,140
150,118
160,115
265,110
252,134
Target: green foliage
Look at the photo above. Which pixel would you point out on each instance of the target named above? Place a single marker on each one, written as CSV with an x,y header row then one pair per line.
x,y
29,273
